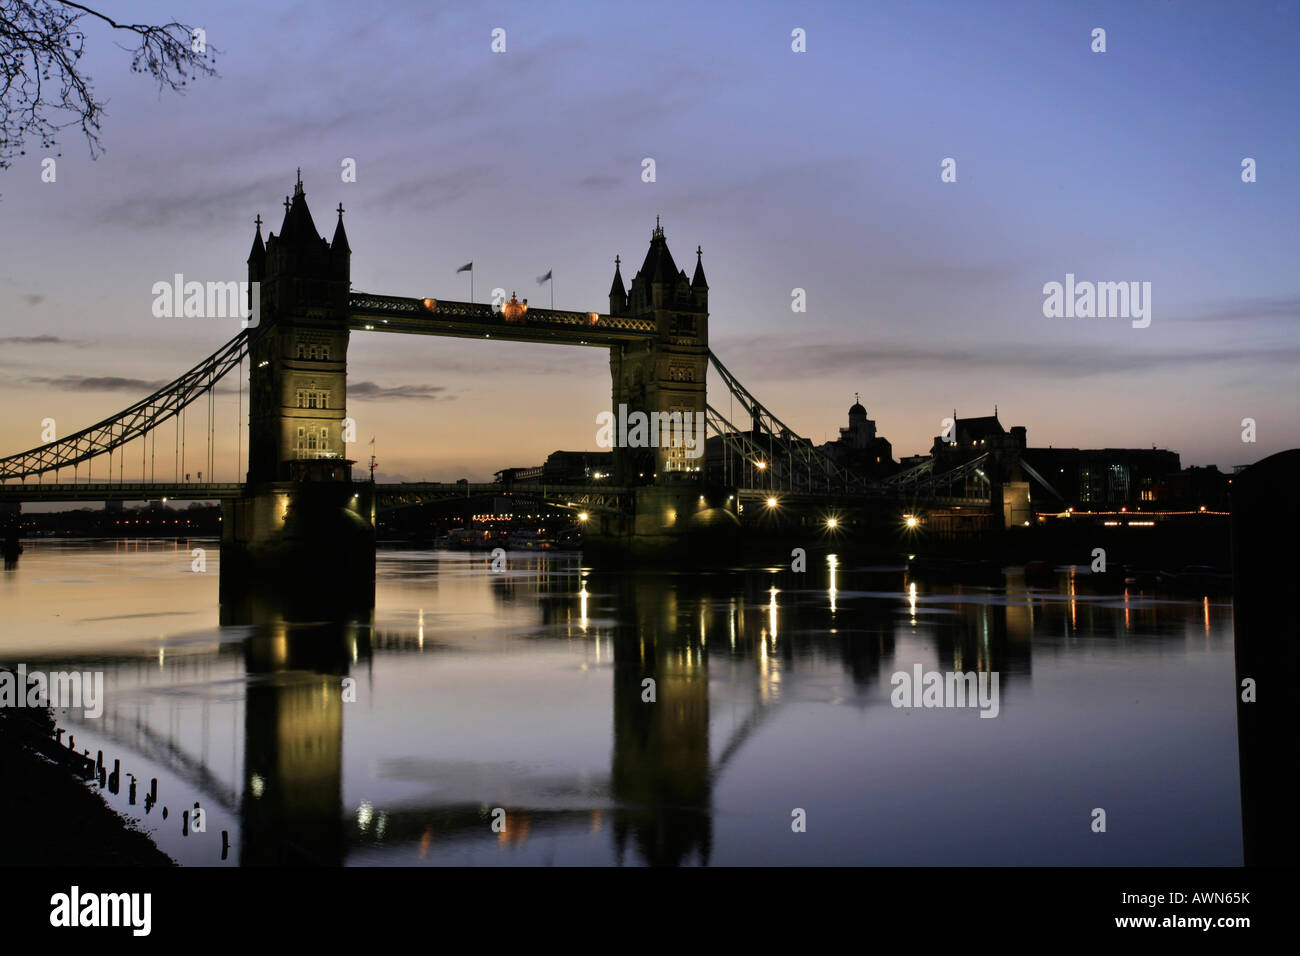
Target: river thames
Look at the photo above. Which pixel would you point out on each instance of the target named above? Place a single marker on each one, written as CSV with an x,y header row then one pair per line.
x,y
480,717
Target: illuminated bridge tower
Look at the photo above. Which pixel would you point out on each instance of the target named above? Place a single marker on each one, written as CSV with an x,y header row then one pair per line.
x,y
668,373
298,374
675,506
302,520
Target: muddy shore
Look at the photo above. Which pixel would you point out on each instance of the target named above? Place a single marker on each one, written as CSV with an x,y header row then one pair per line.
x,y
54,816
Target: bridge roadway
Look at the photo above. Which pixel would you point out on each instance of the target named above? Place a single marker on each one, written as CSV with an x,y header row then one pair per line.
x,y
390,313
577,497
585,497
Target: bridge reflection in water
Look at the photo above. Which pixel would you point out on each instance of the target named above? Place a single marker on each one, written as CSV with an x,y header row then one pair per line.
x,y
657,800
477,690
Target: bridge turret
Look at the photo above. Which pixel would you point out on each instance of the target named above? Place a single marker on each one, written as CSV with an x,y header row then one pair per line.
x,y
257,255
617,294
340,251
700,285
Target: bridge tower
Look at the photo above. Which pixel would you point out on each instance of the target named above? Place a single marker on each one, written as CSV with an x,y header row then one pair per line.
x,y
298,373
668,373
301,520
675,510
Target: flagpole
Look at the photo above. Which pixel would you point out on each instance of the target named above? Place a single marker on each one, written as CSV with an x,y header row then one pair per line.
x,y
471,284
552,271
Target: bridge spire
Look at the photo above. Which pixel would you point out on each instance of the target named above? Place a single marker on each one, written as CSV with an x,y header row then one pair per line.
x,y
699,282
340,243
617,292
257,255
298,226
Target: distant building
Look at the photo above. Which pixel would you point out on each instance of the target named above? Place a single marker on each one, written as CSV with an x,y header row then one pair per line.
x,y
515,476
1107,479
1195,488
972,437
1086,479
578,467
859,448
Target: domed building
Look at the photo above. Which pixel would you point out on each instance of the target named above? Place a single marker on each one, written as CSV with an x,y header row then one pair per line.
x,y
859,448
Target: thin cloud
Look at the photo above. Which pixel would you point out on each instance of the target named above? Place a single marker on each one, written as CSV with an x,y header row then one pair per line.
x,y
780,357
35,340
147,210
381,392
1281,307
101,383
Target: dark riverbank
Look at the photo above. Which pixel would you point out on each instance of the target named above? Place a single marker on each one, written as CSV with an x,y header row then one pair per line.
x,y
54,818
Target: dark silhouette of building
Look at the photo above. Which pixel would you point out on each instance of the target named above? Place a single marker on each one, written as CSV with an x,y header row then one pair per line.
x,y
1195,488
859,448
1086,479
1107,479
972,437
578,467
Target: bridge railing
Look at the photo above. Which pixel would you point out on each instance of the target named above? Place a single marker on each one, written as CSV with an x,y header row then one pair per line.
x,y
369,304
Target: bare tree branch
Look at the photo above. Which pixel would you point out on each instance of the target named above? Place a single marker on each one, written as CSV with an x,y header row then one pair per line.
x,y
42,87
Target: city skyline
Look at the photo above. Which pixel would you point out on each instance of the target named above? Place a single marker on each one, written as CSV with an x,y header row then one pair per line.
x,y
923,296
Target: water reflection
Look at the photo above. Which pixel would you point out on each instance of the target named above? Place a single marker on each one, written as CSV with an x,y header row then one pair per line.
x,y
735,697
292,803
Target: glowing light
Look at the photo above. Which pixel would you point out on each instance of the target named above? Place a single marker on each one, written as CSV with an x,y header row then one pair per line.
x,y
514,309
771,502
430,304
912,521
834,562
583,516
832,522
761,465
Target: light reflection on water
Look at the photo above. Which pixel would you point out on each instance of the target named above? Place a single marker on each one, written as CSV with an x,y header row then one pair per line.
x,y
524,690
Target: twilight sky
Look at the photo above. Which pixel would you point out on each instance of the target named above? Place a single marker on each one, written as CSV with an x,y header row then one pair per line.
x,y
817,170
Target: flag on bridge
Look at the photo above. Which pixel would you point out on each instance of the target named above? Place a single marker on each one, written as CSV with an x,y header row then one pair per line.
x,y
547,278
469,267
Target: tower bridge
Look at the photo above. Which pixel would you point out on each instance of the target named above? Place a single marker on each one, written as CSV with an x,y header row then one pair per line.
x,y
298,496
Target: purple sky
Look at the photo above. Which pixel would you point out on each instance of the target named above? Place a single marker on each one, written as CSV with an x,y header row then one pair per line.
x,y
817,170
